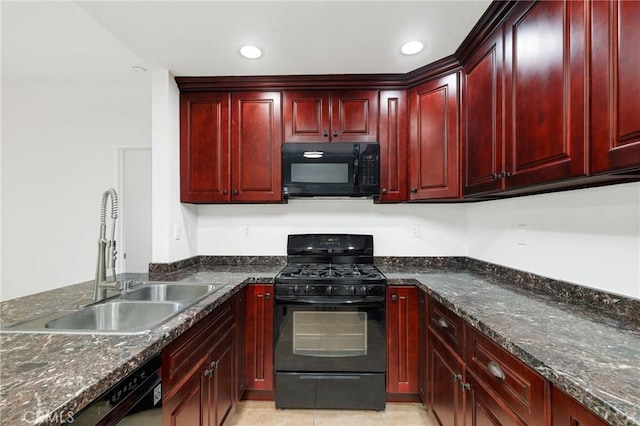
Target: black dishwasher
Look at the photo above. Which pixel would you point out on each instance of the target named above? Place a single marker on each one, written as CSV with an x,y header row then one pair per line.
x,y
135,400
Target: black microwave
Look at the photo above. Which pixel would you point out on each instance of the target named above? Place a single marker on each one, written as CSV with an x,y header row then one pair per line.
x,y
331,169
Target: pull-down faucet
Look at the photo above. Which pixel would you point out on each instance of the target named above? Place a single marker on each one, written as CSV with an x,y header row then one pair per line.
x,y
106,248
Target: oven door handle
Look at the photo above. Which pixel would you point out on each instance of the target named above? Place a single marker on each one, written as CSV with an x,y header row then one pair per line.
x,y
363,301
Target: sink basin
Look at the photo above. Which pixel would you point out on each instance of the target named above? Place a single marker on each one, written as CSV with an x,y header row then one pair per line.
x,y
138,311
116,317
170,292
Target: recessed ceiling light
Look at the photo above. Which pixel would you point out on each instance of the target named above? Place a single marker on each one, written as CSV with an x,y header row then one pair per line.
x,y
411,47
250,52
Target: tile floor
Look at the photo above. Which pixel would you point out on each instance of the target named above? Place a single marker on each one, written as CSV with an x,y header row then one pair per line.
x,y
264,413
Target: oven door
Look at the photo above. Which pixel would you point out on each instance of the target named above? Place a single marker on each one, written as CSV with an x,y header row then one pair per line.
x,y
329,335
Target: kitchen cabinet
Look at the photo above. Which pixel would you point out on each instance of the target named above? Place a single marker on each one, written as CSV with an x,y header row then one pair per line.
x,y
402,343
615,86
433,151
546,96
393,145
331,116
446,378
230,147
525,100
239,314
204,147
258,344
500,386
199,371
568,412
481,122
423,307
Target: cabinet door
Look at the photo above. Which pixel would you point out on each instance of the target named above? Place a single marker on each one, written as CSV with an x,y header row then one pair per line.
x,y
433,167
239,313
258,345
185,405
256,143
423,301
306,116
481,122
615,86
221,383
402,340
393,145
568,412
354,116
545,92
204,147
484,408
446,373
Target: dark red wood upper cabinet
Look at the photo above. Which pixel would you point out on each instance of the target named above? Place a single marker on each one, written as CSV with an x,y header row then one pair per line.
x,y
545,65
204,147
615,86
331,116
481,123
256,136
393,145
434,160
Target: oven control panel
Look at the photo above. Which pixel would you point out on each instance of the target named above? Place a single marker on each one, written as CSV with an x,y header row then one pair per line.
x,y
361,290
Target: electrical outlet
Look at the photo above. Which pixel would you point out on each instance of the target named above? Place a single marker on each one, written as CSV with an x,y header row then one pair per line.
x,y
177,232
415,231
246,232
522,235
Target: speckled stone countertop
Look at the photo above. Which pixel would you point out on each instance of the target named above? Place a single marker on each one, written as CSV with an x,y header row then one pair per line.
x,y
592,357
45,378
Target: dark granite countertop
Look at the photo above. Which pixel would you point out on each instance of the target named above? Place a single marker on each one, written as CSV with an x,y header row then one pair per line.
x,y
592,357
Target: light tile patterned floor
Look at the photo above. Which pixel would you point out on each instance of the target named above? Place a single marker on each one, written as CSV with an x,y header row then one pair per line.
x,y
264,413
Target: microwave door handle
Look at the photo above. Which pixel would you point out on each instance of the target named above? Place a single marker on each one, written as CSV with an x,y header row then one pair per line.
x,y
356,160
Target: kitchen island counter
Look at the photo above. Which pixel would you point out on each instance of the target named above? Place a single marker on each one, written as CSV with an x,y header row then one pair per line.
x,y
592,357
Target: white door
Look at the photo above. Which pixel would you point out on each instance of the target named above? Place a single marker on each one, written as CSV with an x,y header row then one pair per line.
x,y
134,252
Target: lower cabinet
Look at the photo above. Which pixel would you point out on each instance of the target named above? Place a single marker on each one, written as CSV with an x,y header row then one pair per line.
x,y
258,342
446,380
199,371
402,343
566,411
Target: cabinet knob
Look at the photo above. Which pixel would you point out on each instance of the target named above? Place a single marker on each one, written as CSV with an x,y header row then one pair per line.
x,y
267,296
335,133
225,192
208,372
234,192
394,297
384,190
414,191
325,134
495,370
495,176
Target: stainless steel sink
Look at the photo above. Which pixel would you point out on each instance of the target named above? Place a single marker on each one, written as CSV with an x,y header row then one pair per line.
x,y
134,312
117,316
170,292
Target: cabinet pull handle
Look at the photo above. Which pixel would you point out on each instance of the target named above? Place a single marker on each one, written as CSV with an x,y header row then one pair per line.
x,y
504,175
214,364
225,192
495,370
267,296
208,372
325,134
442,323
394,297
384,190
465,386
414,191
234,192
495,176
457,377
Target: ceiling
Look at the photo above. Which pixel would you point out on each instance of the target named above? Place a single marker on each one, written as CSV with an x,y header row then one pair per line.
x,y
104,39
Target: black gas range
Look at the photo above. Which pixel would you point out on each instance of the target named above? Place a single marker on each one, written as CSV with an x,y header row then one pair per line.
x,y
330,343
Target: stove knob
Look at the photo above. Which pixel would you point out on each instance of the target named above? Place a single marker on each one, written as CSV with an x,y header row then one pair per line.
x,y
363,290
329,290
307,289
296,290
353,290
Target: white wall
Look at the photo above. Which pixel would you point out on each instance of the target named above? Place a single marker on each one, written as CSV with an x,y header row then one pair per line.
x,y
398,229
59,141
589,237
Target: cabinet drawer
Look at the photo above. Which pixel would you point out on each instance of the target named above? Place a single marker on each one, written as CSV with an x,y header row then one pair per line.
x,y
520,387
446,325
180,356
